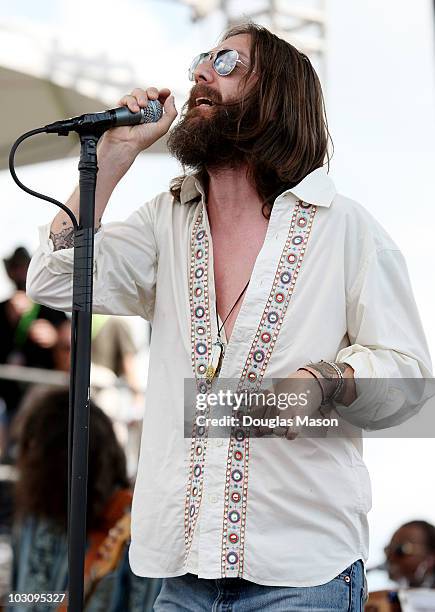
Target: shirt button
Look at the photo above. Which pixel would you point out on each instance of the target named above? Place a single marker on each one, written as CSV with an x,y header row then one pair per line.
x,y
213,499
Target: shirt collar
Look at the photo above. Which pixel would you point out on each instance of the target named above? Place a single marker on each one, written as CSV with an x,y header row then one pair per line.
x,y
191,188
316,188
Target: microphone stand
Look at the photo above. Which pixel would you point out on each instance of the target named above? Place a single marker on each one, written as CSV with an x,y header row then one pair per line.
x,y
90,128
78,427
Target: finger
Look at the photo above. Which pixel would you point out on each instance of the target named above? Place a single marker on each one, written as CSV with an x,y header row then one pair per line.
x,y
283,432
164,94
169,115
279,432
272,411
291,433
152,93
258,432
130,102
169,107
141,96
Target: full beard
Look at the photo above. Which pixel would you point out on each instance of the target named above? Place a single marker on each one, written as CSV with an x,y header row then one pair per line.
x,y
207,137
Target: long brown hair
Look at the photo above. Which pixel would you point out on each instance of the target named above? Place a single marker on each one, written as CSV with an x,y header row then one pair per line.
x,y
41,431
282,128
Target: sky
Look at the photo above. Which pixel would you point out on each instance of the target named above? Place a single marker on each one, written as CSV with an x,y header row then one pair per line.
x,y
380,97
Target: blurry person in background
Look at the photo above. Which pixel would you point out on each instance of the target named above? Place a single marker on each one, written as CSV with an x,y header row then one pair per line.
x,y
410,555
39,533
116,384
123,406
62,347
28,333
114,348
28,329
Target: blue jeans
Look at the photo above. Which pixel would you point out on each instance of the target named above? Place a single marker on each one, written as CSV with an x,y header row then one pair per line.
x,y
344,593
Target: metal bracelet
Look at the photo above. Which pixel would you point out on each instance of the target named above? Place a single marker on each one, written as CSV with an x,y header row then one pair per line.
x,y
340,384
328,378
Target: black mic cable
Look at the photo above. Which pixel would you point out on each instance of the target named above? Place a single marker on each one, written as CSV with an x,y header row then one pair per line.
x,y
36,194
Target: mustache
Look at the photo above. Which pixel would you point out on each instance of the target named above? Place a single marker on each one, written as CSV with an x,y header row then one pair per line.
x,y
201,90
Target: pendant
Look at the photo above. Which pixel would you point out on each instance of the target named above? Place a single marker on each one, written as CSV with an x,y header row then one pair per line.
x,y
217,353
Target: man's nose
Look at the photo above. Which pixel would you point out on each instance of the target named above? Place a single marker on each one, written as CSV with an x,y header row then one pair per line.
x,y
204,72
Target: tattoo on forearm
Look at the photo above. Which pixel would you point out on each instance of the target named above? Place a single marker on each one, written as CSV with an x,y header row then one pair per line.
x,y
65,238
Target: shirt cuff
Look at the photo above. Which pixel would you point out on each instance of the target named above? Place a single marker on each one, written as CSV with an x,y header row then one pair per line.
x,y
372,388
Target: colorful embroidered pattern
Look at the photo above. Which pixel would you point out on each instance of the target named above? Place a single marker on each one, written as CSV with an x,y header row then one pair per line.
x,y
201,345
236,481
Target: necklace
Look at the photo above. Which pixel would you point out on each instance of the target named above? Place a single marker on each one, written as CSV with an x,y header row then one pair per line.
x,y
218,347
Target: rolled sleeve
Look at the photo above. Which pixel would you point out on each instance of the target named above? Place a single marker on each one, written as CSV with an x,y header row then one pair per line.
x,y
125,265
388,345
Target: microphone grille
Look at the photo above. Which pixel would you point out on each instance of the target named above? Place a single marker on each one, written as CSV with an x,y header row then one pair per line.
x,y
152,112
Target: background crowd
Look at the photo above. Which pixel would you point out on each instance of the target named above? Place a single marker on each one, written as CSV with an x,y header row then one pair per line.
x,y
36,346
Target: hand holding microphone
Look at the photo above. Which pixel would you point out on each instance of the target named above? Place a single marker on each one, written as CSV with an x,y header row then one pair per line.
x,y
125,137
139,137
144,117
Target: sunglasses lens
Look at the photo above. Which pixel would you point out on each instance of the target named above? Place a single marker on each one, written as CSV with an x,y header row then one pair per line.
x,y
225,61
195,63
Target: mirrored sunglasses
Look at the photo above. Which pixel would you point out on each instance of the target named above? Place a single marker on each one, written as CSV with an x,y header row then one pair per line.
x,y
223,62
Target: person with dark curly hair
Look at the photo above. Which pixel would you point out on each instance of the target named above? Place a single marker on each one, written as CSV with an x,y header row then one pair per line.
x,y
40,501
410,555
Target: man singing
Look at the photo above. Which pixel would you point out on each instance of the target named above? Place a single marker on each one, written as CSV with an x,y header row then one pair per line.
x,y
251,266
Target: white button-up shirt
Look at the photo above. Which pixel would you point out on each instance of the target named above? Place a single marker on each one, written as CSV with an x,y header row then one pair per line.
x,y
329,283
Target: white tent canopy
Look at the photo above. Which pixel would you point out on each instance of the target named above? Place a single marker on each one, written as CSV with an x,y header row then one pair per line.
x,y
49,80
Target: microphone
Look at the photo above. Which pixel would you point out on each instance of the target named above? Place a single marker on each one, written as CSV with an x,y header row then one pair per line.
x,y
100,122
